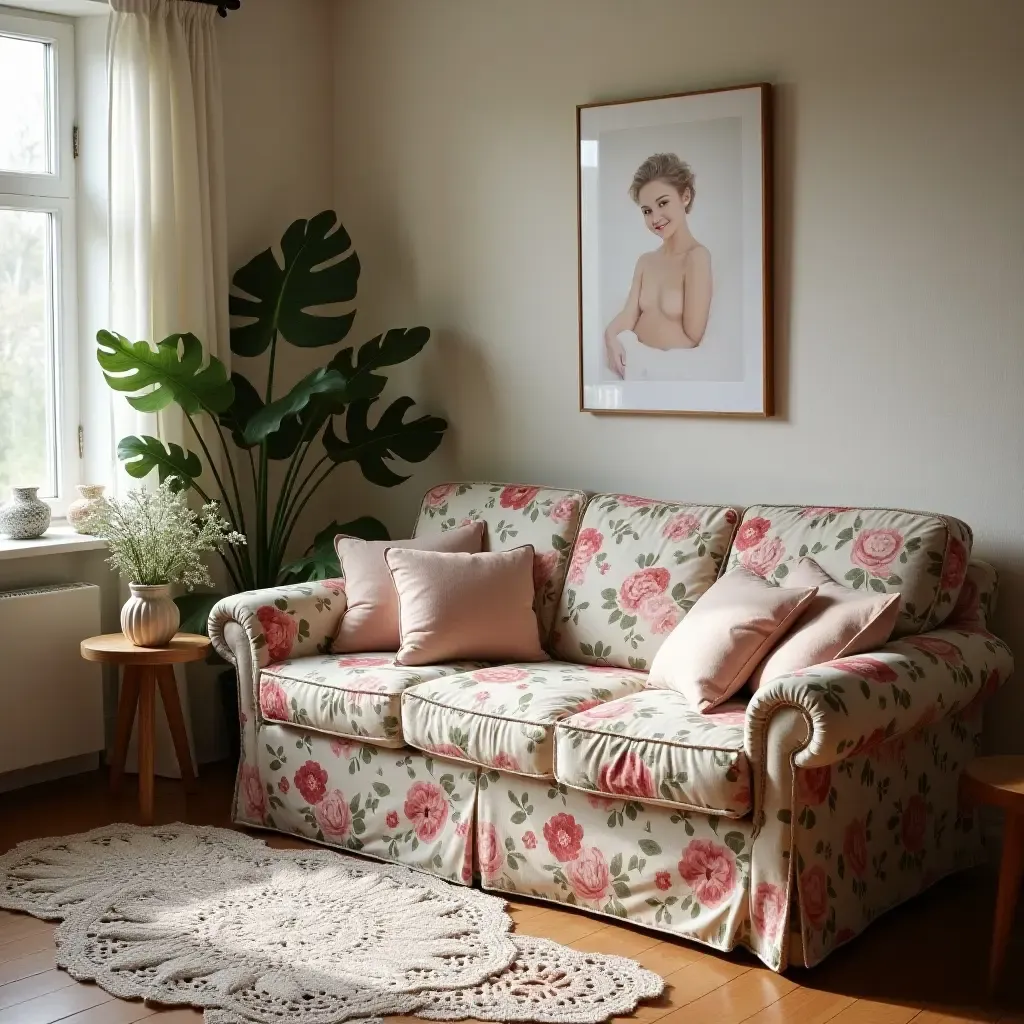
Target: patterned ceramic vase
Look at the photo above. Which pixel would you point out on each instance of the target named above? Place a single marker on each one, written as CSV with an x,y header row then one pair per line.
x,y
90,498
24,517
150,617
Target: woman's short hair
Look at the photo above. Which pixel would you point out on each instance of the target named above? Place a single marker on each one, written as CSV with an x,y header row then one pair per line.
x,y
666,167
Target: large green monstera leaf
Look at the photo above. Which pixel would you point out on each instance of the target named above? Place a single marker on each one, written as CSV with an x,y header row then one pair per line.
x,y
393,437
141,455
278,298
132,366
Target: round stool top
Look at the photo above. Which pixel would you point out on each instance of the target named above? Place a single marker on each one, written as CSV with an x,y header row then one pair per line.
x,y
117,649
997,780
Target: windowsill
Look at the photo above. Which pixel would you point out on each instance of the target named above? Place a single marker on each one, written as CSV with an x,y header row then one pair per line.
x,y
59,539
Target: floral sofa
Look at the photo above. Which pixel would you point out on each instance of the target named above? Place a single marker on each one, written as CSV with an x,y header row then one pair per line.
x,y
785,822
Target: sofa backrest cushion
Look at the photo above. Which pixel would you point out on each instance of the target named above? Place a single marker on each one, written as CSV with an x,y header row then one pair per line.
x,y
921,556
515,514
636,569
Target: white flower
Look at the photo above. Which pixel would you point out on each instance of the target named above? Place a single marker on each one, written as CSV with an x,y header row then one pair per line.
x,y
155,538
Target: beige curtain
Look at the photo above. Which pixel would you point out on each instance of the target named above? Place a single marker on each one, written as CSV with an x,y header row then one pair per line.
x,y
168,248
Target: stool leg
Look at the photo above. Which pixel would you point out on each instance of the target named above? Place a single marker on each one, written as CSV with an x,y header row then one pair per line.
x,y
1011,868
127,703
176,722
147,700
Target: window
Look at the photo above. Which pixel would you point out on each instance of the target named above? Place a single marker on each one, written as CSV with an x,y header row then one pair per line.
x,y
38,359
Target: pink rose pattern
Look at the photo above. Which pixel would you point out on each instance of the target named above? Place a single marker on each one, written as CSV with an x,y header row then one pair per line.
x,y
565,511
273,702
501,674
427,808
563,837
544,565
252,793
660,612
751,533
641,585
709,870
279,630
814,899
627,775
764,558
768,910
587,545
311,781
517,497
490,853
588,875
874,551
681,526
438,496
333,815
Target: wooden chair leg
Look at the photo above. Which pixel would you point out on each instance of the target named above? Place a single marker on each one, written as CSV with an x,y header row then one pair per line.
x,y
1011,868
127,703
176,722
147,701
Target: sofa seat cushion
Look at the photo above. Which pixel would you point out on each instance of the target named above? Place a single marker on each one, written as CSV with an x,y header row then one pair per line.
x,y
655,746
504,716
347,695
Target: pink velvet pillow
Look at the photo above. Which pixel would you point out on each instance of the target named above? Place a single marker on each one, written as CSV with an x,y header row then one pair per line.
x,y
370,622
456,606
838,622
712,652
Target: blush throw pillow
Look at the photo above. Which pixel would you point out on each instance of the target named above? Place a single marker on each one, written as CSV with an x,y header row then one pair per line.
x,y
712,652
370,622
457,606
838,622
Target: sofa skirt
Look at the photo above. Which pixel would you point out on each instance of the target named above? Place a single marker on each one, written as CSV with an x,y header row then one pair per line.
x,y
400,805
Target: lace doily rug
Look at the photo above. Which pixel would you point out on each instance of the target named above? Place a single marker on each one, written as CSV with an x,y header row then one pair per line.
x,y
206,917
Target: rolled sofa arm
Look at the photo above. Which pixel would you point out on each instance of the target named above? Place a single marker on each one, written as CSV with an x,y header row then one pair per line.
x,y
853,704
254,629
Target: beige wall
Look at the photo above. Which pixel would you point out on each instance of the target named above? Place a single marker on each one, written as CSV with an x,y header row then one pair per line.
x,y
278,148
899,218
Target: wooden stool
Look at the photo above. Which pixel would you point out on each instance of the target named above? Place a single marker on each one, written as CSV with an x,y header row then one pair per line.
x,y
999,782
146,668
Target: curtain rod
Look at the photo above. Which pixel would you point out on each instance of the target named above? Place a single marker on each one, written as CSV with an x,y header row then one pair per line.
x,y
223,6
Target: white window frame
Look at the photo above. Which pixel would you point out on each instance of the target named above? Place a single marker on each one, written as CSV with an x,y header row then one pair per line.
x,y
55,193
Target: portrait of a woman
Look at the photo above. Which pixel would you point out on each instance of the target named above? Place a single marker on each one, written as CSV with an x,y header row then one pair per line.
x,y
669,301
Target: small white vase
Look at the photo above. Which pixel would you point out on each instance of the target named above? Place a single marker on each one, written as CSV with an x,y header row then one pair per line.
x,y
150,617
24,517
89,500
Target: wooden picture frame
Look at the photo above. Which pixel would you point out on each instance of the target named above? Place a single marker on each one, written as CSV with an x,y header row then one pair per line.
x,y
680,326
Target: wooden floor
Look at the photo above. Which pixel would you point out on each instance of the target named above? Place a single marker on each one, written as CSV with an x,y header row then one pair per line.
x,y
924,962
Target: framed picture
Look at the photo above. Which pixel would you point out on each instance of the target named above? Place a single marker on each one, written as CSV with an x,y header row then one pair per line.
x,y
675,254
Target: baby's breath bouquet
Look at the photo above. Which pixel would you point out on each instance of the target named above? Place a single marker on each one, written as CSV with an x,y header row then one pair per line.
x,y
155,539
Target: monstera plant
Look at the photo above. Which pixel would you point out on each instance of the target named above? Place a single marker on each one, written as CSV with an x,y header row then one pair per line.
x,y
322,423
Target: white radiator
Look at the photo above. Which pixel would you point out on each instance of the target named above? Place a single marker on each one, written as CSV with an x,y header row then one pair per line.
x,y
51,701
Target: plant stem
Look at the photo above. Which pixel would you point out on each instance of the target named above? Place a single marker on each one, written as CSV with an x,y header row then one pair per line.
x,y
285,529
238,583
231,470
261,490
299,506
279,540
235,517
